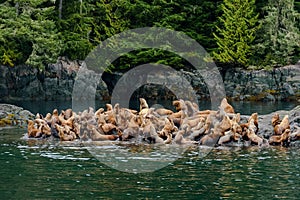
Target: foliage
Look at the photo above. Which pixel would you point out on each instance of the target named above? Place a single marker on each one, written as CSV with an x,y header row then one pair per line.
x,y
29,34
37,32
279,36
237,31
195,18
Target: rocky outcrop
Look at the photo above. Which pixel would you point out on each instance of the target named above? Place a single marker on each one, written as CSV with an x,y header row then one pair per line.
x,y
278,84
54,83
11,115
57,80
240,85
266,129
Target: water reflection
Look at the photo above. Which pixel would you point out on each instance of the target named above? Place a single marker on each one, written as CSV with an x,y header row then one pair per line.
x,y
245,108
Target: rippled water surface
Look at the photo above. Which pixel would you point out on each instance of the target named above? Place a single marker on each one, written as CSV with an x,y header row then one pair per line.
x,y
53,169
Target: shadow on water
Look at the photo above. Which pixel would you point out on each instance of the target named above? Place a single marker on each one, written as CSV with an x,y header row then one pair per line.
x,y
52,169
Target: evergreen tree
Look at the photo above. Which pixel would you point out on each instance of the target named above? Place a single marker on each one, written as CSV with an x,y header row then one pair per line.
x,y
279,35
193,17
234,36
84,24
75,25
29,34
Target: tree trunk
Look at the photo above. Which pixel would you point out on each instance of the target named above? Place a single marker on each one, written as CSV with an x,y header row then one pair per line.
x,y
17,8
60,9
80,7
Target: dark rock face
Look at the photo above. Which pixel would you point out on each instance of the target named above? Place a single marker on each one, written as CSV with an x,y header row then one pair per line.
x,y
279,84
261,85
57,82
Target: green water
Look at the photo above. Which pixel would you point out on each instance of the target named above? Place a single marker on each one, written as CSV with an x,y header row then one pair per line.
x,y
246,107
52,169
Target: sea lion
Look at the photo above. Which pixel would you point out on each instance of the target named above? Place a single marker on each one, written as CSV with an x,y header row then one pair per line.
x,y
192,109
99,112
284,124
32,131
225,124
177,104
169,139
63,135
143,104
196,134
154,135
107,127
38,116
68,113
48,118
179,139
97,136
275,120
54,118
163,111
280,139
226,106
252,135
108,107
168,128
212,138
46,130
193,121
229,136
110,118
245,126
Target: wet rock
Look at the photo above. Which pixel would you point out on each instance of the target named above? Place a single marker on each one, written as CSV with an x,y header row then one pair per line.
x,y
11,115
265,126
295,144
3,90
3,114
269,97
288,90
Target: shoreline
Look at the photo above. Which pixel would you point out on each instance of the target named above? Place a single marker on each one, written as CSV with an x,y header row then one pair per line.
x,y
56,83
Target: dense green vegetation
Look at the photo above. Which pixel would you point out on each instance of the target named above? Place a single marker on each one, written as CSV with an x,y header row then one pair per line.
x,y
244,33
239,25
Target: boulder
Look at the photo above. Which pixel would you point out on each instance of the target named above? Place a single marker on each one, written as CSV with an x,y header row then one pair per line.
x,y
11,115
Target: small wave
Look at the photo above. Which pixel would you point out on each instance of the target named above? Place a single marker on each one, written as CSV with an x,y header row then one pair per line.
x,y
62,157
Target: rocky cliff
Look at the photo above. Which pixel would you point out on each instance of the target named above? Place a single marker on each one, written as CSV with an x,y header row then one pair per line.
x,y
57,80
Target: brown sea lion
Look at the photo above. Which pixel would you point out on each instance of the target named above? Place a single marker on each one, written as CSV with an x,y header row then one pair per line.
x,y
32,131
97,136
284,124
275,120
280,139
63,135
226,106
163,111
212,138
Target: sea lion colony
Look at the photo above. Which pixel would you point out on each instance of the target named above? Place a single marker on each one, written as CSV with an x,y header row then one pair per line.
x,y
188,125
